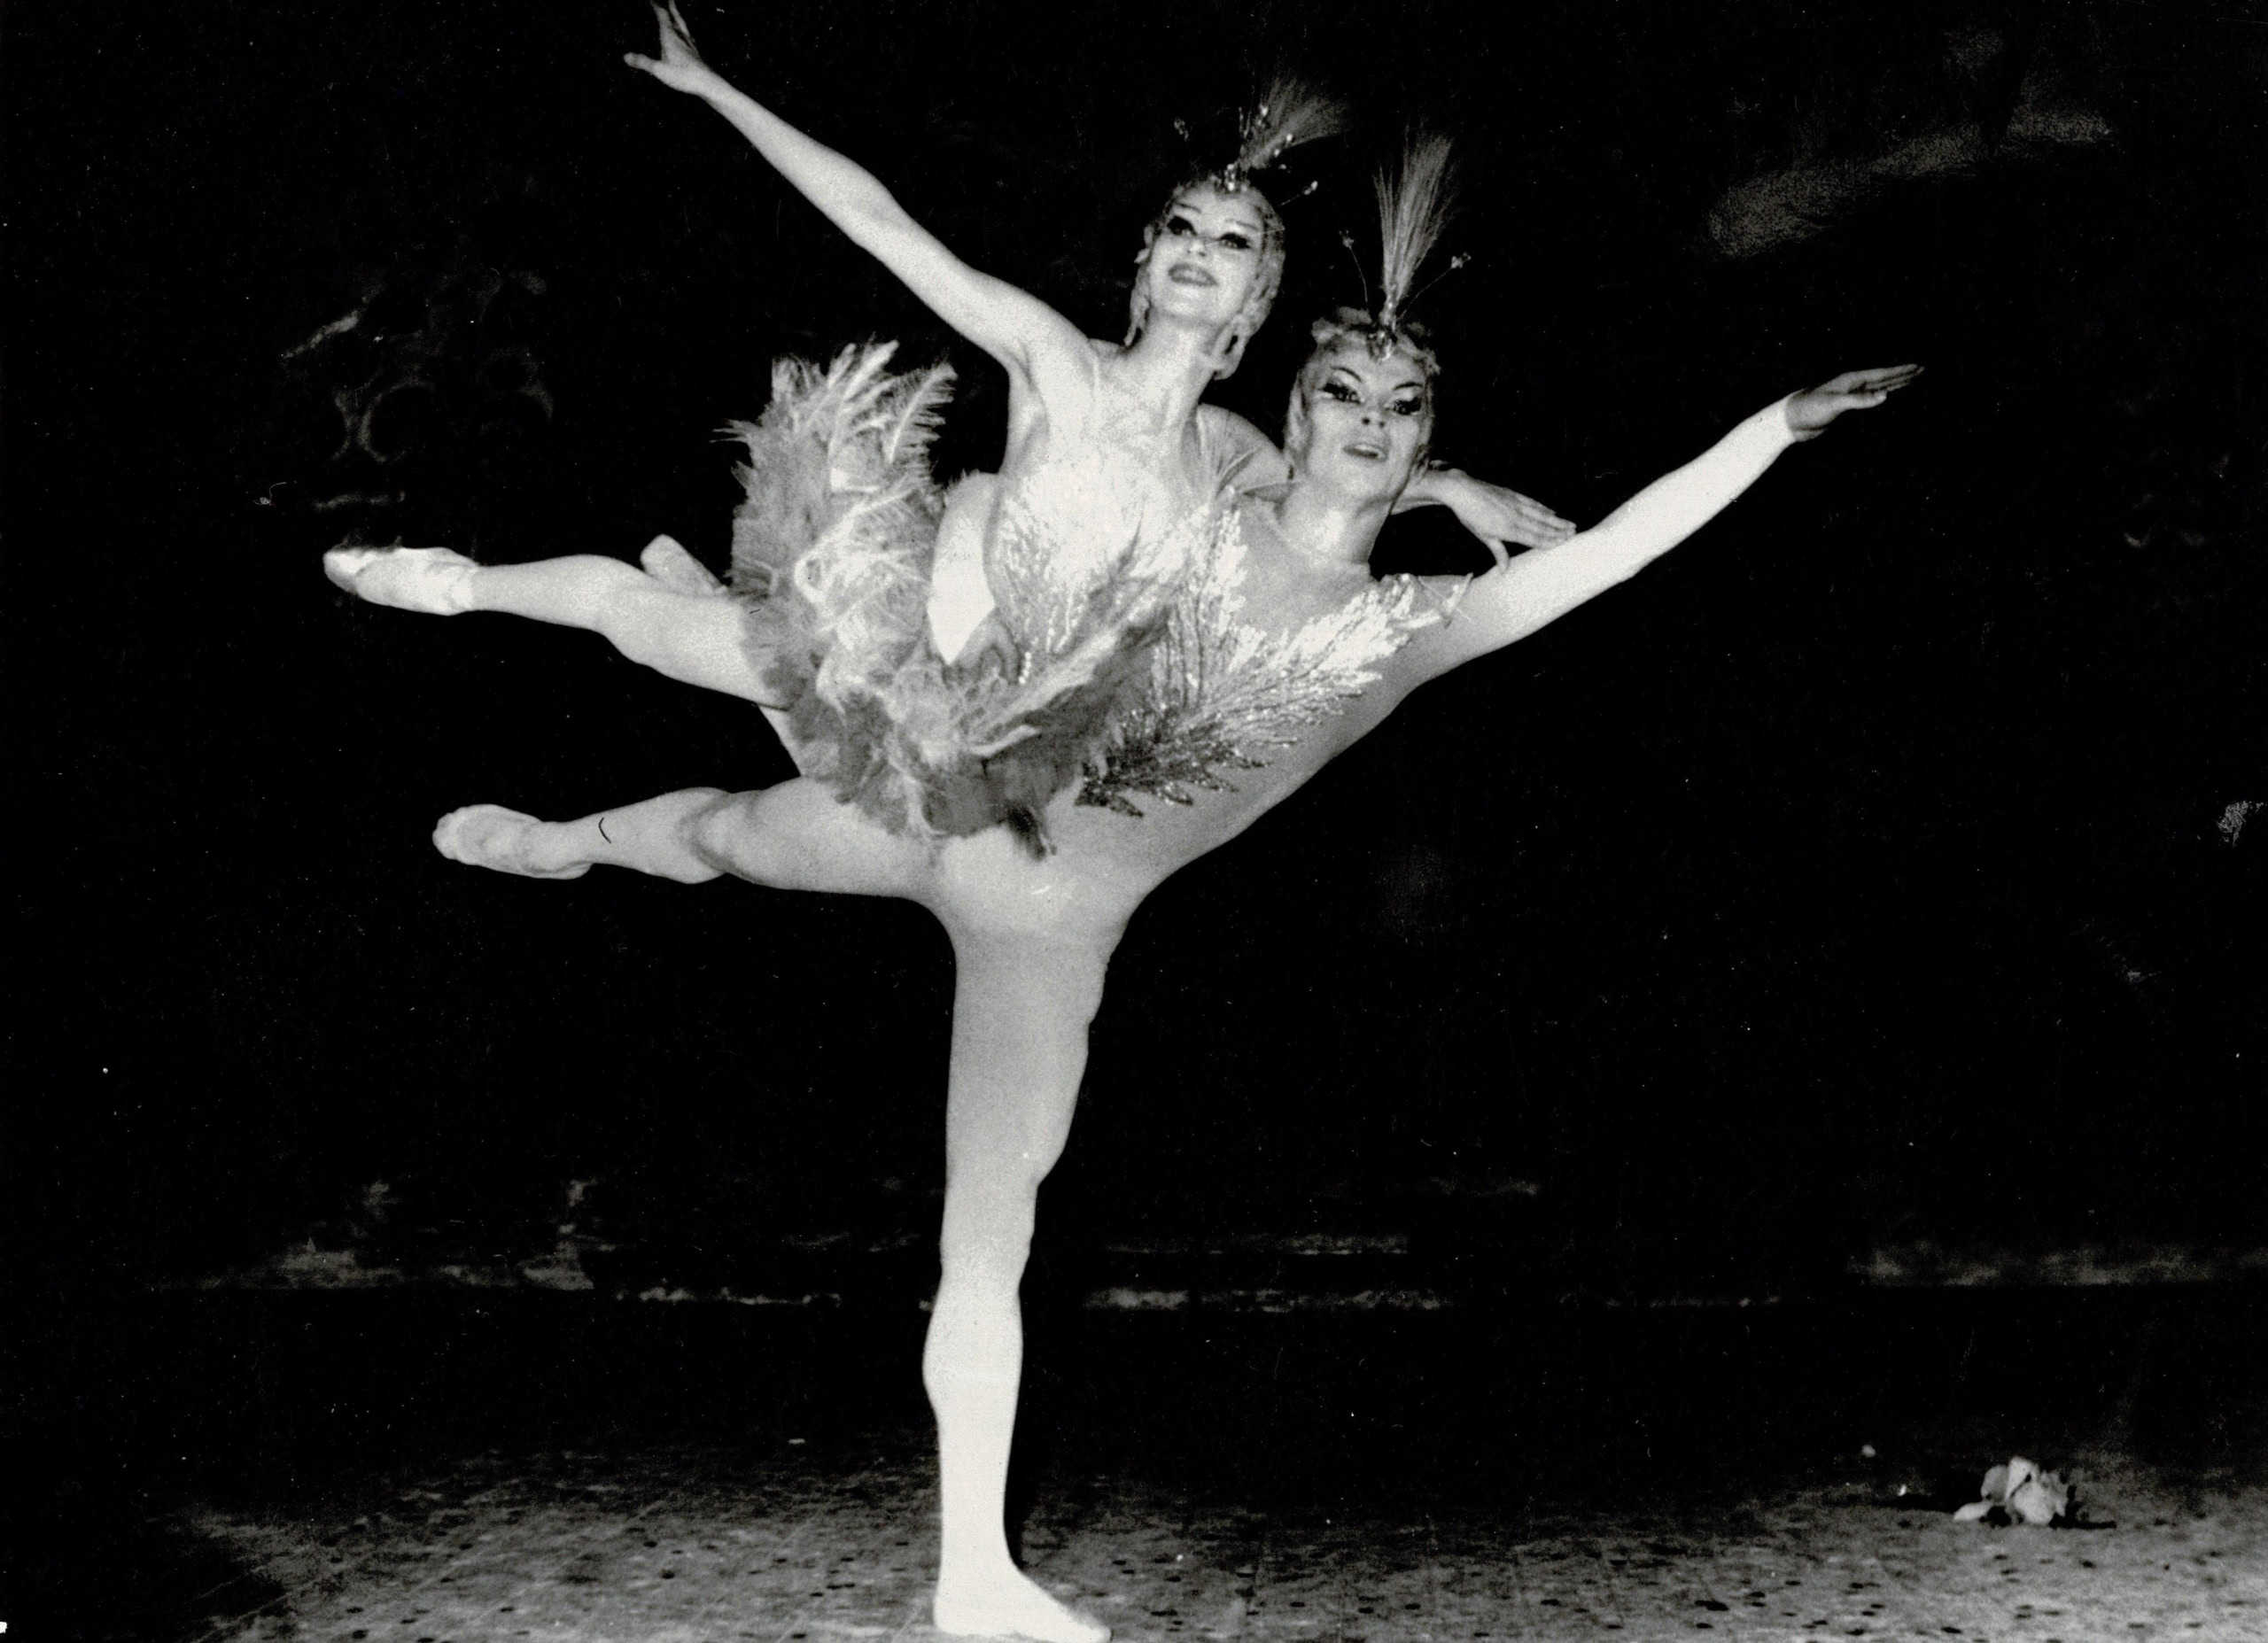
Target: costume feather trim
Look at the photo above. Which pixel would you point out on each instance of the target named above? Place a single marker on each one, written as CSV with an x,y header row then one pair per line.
x,y
1414,207
1221,695
832,551
1292,113
840,512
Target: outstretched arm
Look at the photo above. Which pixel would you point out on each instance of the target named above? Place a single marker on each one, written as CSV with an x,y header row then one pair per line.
x,y
1019,330
1541,586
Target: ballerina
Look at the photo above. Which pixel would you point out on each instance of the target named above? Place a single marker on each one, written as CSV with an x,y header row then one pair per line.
x,y
1279,651
1106,442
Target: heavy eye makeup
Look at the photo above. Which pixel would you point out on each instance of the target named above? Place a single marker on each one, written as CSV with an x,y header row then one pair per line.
x,y
1229,239
1406,403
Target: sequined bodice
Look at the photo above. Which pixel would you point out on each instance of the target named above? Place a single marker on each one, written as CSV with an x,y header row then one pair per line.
x,y
1136,671
1222,693
1089,513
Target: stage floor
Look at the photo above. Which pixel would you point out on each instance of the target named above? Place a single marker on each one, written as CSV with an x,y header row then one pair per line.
x,y
421,1470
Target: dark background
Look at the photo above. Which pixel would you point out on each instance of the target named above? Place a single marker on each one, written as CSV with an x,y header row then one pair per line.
x,y
1868,873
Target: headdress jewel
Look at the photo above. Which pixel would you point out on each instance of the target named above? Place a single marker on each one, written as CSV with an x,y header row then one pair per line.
x,y
1292,113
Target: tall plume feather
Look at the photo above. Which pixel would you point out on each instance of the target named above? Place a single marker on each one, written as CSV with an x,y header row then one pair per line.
x,y
1292,113
1413,209
920,416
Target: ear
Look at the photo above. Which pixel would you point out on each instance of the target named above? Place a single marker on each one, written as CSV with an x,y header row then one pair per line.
x,y
1138,299
1138,316
1228,356
1296,432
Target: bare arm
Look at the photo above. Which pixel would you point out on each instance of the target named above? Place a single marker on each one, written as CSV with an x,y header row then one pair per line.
x,y
1019,330
1545,584
1492,513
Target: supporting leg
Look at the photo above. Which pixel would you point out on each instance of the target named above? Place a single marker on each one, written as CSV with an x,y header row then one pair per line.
x,y
1021,1007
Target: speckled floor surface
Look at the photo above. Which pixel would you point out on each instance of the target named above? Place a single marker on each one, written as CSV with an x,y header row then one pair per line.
x,y
703,1479
660,1547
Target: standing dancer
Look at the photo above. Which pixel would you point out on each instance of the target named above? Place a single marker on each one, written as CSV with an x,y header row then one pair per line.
x,y
1278,652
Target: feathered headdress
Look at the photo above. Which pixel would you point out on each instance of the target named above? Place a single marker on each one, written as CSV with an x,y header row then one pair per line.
x,y
1415,205
1292,113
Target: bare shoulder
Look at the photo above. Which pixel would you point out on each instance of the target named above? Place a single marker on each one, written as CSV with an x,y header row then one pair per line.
x,y
1247,458
1442,644
1056,389
1220,422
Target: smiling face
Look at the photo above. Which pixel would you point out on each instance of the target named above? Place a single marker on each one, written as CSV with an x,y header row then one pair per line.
x,y
1214,259
1358,422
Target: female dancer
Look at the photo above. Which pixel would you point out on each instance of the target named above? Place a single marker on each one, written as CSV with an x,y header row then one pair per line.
x,y
1107,443
1279,652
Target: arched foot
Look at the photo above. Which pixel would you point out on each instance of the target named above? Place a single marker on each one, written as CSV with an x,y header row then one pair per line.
x,y
489,836
433,581
666,561
1011,1605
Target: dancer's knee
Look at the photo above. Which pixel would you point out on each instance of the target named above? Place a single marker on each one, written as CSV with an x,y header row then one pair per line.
x,y
716,832
988,1234
641,617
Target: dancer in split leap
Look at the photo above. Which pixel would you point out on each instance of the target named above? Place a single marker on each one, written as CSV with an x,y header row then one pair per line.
x,y
1109,444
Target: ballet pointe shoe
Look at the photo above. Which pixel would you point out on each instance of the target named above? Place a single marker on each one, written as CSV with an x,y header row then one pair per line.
x,y
666,561
1011,1605
490,836
432,581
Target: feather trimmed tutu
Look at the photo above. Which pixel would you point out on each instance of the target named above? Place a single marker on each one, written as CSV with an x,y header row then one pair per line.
x,y
1132,673
832,547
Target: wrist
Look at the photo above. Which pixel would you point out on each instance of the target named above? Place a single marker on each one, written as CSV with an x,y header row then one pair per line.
x,y
1436,482
1781,418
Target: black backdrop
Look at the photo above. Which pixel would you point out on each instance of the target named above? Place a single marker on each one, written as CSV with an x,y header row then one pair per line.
x,y
1877,868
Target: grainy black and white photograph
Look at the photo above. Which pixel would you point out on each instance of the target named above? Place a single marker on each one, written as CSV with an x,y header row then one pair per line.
x,y
1312,823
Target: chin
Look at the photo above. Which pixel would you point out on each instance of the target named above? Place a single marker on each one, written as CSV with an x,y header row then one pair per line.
x,y
1192,308
1372,480
1361,484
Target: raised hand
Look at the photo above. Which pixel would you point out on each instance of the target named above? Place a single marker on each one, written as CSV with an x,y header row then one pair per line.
x,y
679,65
1496,515
1811,411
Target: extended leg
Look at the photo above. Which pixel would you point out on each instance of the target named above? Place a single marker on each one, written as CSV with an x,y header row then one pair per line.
x,y
1020,1010
656,619
795,836
656,836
